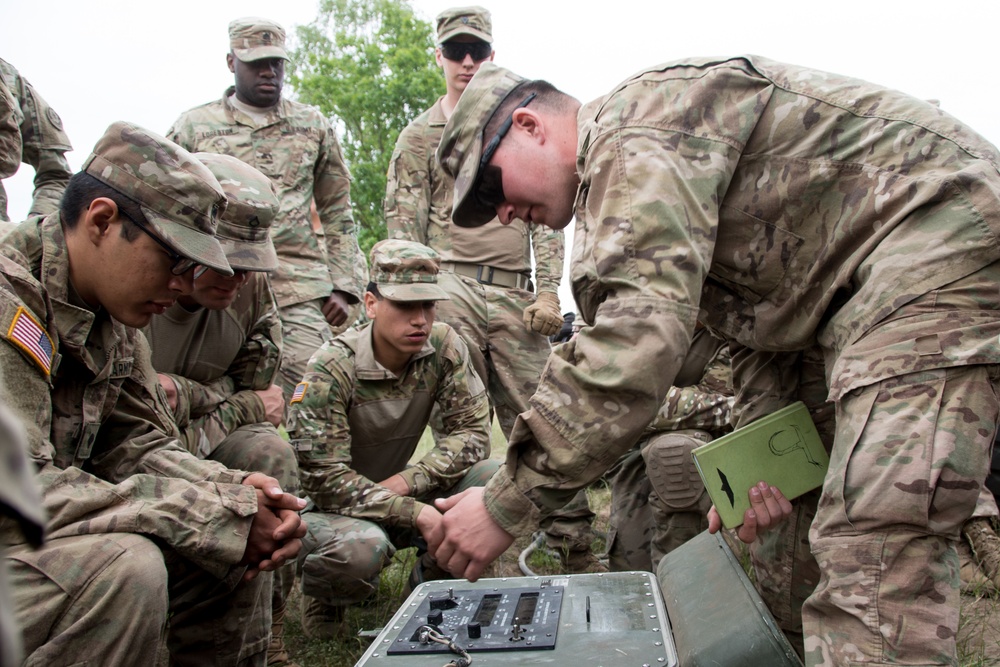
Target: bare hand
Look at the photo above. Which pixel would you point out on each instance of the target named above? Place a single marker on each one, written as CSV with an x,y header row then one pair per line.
x,y
428,521
274,403
335,309
468,539
768,508
170,389
276,530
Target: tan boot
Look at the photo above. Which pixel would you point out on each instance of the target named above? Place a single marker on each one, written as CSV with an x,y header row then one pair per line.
x,y
321,620
581,562
277,656
985,545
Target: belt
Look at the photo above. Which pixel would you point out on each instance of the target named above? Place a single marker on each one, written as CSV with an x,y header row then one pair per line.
x,y
489,275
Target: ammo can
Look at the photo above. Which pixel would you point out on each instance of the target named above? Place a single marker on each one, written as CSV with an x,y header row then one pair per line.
x,y
716,615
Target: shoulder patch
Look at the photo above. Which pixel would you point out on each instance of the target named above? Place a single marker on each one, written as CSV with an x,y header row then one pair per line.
x,y
299,393
27,334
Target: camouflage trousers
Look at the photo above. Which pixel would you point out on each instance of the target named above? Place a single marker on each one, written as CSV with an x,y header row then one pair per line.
x,y
105,600
658,501
259,448
342,557
303,330
509,360
908,463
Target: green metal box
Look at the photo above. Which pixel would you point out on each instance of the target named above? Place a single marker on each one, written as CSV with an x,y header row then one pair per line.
x,y
718,618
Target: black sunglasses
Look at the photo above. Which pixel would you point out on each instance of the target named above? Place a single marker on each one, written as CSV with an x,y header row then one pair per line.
x,y
458,50
181,264
489,181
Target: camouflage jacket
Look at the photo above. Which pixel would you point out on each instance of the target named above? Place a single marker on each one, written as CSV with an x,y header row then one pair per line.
x,y
785,208
218,359
83,386
297,148
354,424
43,144
418,208
10,134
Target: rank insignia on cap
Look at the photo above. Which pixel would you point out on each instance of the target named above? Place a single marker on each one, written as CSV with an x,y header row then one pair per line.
x,y
26,333
299,393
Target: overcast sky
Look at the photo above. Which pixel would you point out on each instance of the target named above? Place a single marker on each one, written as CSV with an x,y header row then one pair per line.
x,y
146,61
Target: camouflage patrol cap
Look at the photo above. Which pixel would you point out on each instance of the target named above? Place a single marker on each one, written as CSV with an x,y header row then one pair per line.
x,y
244,227
474,21
253,38
177,194
462,142
406,271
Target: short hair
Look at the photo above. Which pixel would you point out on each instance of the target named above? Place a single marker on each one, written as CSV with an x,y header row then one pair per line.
x,y
83,188
373,288
547,97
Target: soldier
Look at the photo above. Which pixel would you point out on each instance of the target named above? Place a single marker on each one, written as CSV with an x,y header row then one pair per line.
x,y
217,352
296,147
138,529
43,144
795,213
486,272
356,419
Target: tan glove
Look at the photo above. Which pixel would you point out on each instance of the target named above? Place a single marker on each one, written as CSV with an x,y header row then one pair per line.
x,y
544,315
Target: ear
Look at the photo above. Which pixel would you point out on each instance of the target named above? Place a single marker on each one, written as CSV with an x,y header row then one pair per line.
x,y
529,122
229,62
492,53
371,306
100,220
439,57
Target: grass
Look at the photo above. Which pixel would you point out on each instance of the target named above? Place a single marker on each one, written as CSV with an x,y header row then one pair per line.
x,y
978,641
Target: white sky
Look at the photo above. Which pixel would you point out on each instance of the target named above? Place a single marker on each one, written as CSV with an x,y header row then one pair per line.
x,y
145,61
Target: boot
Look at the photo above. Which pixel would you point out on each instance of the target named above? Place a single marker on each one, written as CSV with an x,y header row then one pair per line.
x,y
985,545
581,562
425,569
277,656
321,620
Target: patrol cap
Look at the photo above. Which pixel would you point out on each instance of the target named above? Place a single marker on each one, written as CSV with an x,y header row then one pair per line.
x,y
462,142
253,38
474,21
179,196
406,271
244,227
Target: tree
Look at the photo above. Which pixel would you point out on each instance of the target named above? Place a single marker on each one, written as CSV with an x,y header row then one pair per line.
x,y
369,64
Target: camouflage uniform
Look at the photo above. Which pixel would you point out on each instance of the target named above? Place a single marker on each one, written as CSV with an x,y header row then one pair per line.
x,y
218,359
802,212
486,272
296,146
658,500
112,477
355,424
21,504
126,504
43,144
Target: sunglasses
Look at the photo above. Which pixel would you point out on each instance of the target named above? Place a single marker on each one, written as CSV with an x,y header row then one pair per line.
x,y
180,264
458,50
489,181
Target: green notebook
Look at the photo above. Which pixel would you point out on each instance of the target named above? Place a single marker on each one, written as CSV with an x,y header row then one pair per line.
x,y
783,449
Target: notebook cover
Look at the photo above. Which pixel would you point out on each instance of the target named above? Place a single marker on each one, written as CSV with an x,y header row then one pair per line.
x,y
782,449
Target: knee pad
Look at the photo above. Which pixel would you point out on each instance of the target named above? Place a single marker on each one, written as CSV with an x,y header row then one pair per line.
x,y
670,468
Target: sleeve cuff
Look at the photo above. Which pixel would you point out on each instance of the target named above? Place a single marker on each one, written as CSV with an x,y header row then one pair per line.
x,y
510,508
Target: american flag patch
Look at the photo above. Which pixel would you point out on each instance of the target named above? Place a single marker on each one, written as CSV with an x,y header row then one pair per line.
x,y
27,334
300,391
